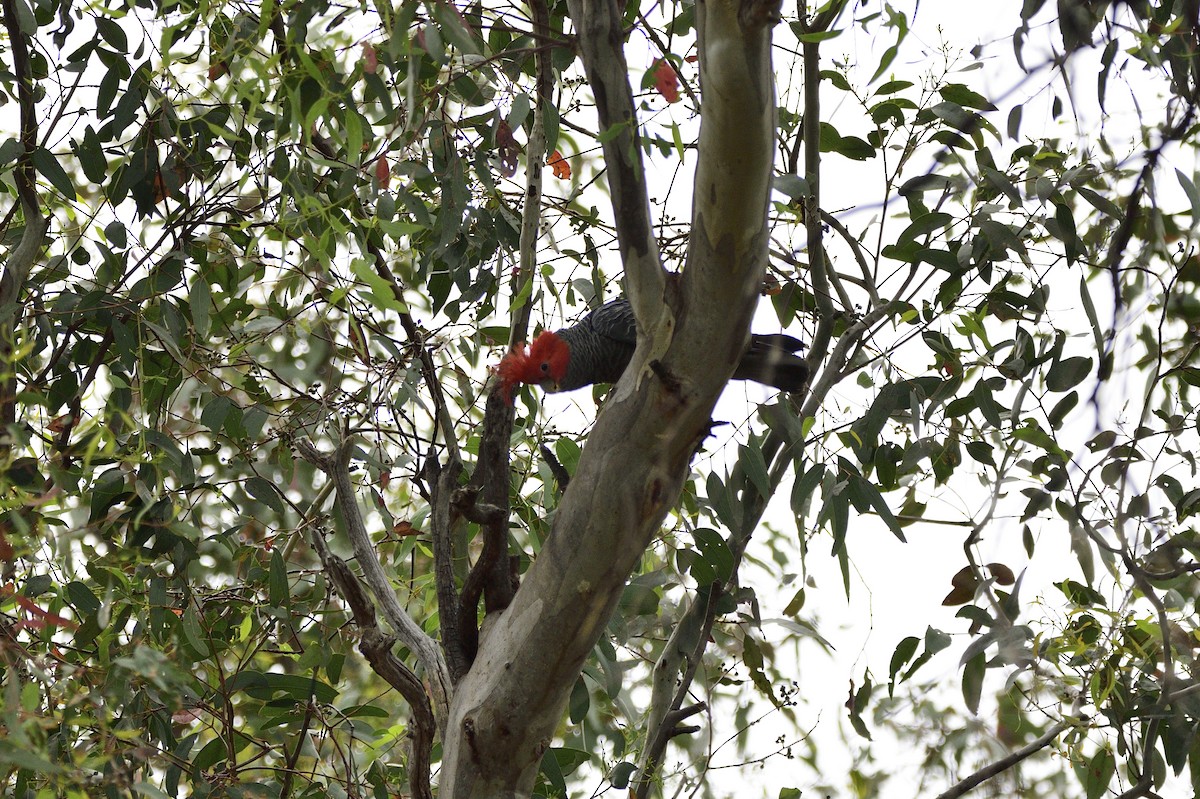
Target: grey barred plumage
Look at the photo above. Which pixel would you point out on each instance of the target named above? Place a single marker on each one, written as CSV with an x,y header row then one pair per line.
x,y
602,344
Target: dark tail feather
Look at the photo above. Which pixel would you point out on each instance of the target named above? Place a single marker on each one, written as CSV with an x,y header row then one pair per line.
x,y
770,361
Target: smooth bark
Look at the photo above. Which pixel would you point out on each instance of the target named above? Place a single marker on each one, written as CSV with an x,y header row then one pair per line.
x,y
505,711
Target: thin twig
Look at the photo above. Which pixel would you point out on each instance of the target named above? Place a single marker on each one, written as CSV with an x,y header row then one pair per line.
x,y
868,283
1005,763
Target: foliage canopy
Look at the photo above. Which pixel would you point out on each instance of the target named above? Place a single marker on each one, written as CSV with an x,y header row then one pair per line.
x,y
261,518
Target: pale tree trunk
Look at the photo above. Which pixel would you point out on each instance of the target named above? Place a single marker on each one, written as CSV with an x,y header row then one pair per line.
x,y
692,328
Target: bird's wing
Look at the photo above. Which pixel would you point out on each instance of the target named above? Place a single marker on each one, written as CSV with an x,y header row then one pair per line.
x,y
614,320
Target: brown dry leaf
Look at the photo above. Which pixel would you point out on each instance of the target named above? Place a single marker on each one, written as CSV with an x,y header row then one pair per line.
x,y
405,528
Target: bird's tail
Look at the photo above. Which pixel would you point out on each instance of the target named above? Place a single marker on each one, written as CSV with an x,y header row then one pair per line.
x,y
771,360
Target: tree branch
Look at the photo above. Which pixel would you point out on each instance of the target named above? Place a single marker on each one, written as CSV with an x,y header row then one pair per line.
x,y
599,28
336,467
20,262
688,641
779,455
812,205
377,648
868,282
629,475
490,576
458,640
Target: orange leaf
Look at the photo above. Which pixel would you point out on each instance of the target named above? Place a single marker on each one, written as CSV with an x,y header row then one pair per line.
x,y
562,169
370,59
666,80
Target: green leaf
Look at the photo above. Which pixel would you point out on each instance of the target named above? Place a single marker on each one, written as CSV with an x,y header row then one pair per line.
x,y
751,459
266,686
280,594
936,640
1189,188
981,451
715,551
193,634
794,186
91,156
26,21
962,95
972,680
551,125
836,78
82,599
10,151
893,86
49,168
265,492
113,33
567,451
900,656
580,701
753,659
200,304
819,36
925,225
214,413
864,488
621,773
1068,373
354,135
889,56
677,140
1100,771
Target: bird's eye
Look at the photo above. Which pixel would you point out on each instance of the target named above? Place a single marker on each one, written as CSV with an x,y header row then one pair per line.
x,y
545,366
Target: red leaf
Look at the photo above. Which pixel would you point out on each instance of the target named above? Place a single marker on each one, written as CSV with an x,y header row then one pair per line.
x,y
43,617
370,59
666,80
